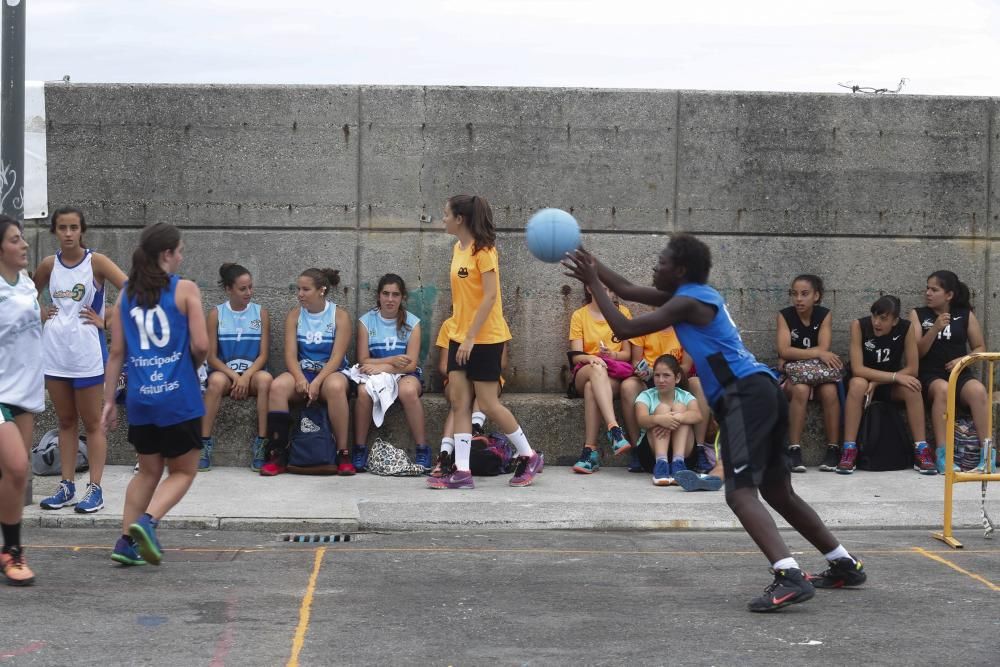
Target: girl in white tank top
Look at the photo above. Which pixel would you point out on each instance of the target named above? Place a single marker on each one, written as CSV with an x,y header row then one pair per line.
x,y
74,350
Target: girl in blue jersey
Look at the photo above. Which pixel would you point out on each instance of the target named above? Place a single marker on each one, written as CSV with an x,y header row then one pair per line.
x,y
389,342
22,392
805,333
317,333
74,350
748,404
158,325
239,335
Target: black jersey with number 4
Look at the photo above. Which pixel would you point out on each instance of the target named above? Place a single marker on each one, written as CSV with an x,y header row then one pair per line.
x,y
804,336
883,353
952,342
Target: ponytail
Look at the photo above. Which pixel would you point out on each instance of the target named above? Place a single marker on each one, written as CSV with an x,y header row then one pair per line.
x,y
478,217
146,279
229,272
886,305
324,279
950,283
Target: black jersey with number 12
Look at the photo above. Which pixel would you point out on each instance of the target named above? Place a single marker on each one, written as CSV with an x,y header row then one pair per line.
x,y
883,353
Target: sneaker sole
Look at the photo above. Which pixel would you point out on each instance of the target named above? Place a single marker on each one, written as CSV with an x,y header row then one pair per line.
x,y
147,549
585,471
435,487
925,472
845,471
799,469
204,469
805,597
20,582
623,449
691,481
125,560
50,506
826,468
91,510
838,584
661,482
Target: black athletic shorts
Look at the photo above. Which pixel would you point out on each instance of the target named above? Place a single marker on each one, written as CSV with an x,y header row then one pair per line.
x,y
167,441
753,429
483,364
927,378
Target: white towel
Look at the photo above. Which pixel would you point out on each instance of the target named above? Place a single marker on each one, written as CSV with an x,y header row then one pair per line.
x,y
384,389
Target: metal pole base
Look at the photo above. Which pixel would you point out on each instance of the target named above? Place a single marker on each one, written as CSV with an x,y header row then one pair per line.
x,y
947,539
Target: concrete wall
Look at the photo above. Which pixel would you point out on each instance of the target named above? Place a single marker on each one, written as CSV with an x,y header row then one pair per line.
x,y
872,193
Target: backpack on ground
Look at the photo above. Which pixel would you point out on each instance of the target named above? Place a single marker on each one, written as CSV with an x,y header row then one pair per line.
x,y
313,451
45,455
384,459
883,440
491,455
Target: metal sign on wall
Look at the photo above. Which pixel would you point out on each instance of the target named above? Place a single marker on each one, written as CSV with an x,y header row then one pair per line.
x,y
34,188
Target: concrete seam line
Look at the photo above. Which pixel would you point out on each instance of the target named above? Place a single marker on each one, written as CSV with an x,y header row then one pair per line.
x,y
305,610
677,159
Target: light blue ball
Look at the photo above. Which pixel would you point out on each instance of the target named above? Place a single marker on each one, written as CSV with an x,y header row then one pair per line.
x,y
551,233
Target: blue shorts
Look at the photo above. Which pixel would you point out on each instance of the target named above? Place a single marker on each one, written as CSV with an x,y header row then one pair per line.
x,y
79,383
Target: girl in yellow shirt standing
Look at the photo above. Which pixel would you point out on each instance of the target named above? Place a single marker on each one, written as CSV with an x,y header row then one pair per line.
x,y
476,341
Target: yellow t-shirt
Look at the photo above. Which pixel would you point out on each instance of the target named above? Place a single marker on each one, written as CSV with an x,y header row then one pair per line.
x,y
467,293
444,334
583,326
657,344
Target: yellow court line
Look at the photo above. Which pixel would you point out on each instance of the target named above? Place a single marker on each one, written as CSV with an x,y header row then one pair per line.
x,y
305,610
305,547
945,561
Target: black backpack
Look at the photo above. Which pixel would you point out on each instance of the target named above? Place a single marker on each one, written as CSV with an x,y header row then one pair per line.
x,y
491,455
312,444
883,439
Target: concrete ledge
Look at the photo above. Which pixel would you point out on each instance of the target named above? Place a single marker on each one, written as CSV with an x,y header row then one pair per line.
x,y
553,423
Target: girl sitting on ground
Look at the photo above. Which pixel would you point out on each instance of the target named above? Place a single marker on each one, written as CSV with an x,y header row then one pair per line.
x,y
667,413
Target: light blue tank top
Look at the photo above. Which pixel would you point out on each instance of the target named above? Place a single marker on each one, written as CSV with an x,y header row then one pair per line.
x,y
717,349
384,339
315,335
239,335
163,387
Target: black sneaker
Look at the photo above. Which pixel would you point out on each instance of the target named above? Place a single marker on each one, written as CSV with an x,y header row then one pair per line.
x,y
790,586
831,459
842,572
795,458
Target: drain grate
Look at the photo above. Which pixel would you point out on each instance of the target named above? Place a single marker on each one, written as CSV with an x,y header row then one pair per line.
x,y
319,539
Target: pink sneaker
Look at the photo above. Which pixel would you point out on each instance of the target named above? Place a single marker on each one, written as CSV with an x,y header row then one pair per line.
x,y
460,479
527,468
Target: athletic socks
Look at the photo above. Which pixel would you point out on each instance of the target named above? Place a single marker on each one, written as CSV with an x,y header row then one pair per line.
x,y
919,444
839,552
478,419
463,447
520,442
785,564
448,445
11,535
847,443
678,457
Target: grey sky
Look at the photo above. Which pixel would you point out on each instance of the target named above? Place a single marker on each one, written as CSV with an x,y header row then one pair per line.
x,y
943,48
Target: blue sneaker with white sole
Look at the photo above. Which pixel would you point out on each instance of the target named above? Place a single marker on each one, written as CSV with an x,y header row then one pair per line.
x,y
661,473
143,532
257,453
92,501
205,462
64,496
692,481
126,553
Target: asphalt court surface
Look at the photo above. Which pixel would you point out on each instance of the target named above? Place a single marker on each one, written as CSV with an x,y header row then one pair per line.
x,y
509,598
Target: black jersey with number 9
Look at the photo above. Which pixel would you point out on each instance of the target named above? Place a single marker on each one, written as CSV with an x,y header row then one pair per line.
x,y
804,336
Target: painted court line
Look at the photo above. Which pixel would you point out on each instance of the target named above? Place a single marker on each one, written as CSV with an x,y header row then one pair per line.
x,y
945,561
305,548
305,610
